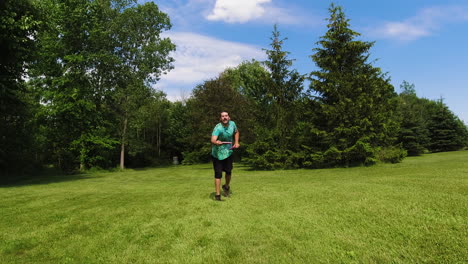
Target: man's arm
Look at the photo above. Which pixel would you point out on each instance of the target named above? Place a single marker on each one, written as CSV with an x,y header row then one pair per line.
x,y
236,139
214,140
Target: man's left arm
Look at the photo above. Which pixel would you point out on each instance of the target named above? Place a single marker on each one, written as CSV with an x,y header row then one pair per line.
x,y
236,139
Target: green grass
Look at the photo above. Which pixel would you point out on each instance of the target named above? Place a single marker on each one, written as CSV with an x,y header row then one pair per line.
x,y
412,212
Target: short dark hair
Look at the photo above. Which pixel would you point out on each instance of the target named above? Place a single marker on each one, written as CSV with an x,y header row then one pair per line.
x,y
223,112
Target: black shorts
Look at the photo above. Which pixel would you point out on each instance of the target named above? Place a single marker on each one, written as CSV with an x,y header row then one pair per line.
x,y
222,165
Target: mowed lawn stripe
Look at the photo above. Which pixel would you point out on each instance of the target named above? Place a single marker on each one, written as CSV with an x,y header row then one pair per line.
x,y
415,211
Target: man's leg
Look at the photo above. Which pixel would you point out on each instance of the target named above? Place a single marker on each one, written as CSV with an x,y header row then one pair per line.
x,y
228,169
226,188
218,186
218,174
228,179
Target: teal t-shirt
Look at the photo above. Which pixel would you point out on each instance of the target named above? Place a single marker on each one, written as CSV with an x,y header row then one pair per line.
x,y
224,134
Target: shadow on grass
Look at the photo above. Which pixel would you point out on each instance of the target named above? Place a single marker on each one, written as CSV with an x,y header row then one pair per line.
x,y
212,195
159,166
46,176
223,196
51,175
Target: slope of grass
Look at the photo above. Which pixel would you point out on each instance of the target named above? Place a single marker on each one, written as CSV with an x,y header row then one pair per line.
x,y
412,212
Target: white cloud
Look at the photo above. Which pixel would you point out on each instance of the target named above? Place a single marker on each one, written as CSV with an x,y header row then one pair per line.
x,y
186,14
425,23
243,11
199,58
239,11
404,31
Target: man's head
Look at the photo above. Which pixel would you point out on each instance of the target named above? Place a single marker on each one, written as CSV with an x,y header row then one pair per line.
x,y
224,118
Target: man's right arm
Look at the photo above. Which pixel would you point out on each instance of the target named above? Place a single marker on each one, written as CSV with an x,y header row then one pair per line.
x,y
214,140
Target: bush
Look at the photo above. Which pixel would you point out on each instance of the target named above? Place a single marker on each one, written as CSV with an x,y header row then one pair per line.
x,y
361,153
273,158
202,155
261,163
393,154
332,157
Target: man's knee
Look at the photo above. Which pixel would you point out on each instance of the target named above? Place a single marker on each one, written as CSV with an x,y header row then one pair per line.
x,y
218,175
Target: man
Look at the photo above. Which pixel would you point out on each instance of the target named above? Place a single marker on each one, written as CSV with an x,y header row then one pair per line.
x,y
221,151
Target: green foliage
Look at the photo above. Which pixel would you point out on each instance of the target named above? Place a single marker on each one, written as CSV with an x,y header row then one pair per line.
x,y
19,22
357,103
274,158
95,150
284,89
143,56
91,66
149,133
447,131
252,80
393,154
413,134
331,157
97,60
201,155
208,101
428,125
265,154
280,105
178,129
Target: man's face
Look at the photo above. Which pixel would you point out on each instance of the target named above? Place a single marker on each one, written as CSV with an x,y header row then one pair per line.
x,y
225,118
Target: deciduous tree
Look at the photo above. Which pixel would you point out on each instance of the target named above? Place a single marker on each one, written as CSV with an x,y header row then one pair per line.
x,y
19,22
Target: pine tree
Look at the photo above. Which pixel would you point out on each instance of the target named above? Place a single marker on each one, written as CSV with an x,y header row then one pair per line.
x,y
275,145
413,134
285,88
358,103
447,131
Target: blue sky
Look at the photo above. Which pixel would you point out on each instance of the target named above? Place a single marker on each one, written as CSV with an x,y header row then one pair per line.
x,y
421,41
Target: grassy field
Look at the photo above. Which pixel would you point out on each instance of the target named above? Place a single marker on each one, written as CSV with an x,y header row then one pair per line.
x,y
412,212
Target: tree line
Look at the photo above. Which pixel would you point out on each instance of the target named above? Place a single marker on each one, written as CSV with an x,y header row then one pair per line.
x,y
76,94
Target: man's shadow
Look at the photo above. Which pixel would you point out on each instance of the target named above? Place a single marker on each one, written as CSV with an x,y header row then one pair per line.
x,y
213,194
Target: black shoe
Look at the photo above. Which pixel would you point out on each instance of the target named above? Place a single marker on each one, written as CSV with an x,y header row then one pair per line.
x,y
218,198
227,190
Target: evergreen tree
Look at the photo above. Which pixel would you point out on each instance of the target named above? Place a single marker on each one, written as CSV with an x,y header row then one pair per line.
x,y
413,134
276,142
358,103
285,89
447,131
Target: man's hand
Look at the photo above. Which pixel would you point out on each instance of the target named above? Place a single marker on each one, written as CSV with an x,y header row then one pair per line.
x,y
236,145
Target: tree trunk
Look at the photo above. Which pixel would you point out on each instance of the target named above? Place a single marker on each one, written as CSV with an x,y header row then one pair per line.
x,y
122,148
159,140
82,158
